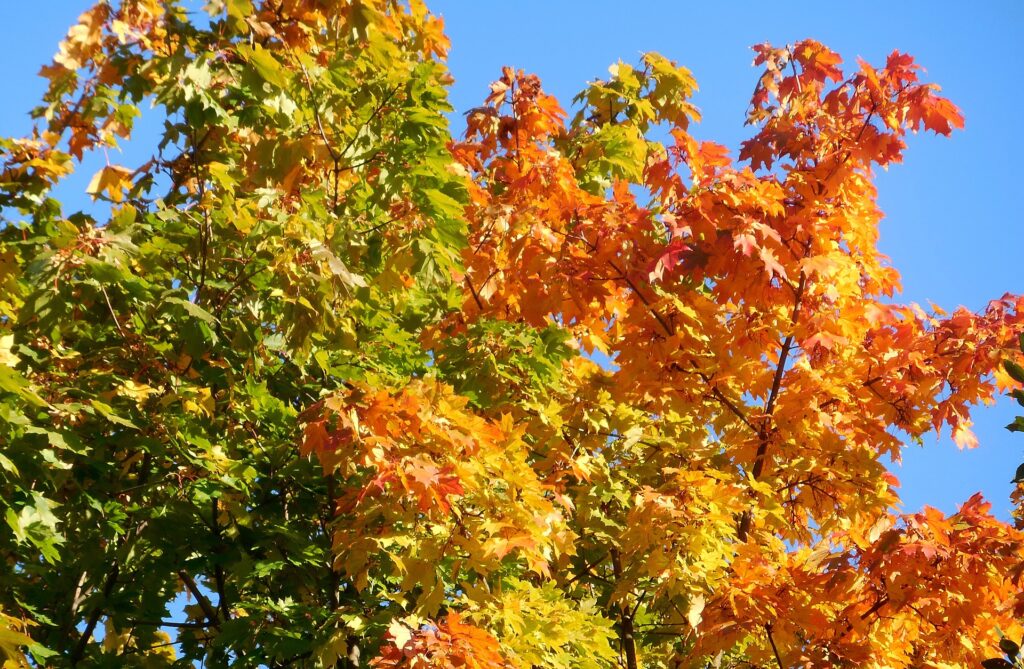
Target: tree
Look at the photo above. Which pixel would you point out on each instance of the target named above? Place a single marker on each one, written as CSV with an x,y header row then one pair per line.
x,y
330,375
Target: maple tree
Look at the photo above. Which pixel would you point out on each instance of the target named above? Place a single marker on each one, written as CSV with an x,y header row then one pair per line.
x,y
327,374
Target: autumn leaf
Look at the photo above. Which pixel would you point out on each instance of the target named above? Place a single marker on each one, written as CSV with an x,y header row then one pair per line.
x,y
112,180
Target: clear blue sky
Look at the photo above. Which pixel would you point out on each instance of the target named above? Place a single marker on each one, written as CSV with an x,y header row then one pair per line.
x,y
954,208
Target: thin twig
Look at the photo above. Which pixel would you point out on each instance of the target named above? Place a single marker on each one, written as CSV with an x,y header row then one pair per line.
x,y
222,599
97,611
167,623
112,314
775,649
476,298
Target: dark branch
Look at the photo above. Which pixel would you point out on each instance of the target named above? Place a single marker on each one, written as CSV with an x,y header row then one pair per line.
x,y
775,649
204,603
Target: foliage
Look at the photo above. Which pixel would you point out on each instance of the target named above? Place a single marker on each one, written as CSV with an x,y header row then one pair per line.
x,y
1009,656
327,375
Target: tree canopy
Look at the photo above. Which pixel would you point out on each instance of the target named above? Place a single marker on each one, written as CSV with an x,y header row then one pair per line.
x,y
563,392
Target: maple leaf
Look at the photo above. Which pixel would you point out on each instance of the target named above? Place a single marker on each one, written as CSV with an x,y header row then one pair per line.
x,y
824,340
936,114
112,180
434,485
499,89
771,264
818,61
964,437
668,260
745,243
448,644
83,39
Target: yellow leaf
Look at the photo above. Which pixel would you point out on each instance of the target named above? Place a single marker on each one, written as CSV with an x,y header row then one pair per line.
x,y
693,614
201,402
963,436
334,649
400,634
113,180
7,357
83,39
11,637
139,392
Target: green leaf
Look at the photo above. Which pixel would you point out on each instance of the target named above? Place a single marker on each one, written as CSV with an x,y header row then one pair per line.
x,y
1018,395
193,309
8,465
108,412
624,149
14,523
13,382
1009,647
996,663
1014,370
239,9
264,63
441,204
37,524
1019,476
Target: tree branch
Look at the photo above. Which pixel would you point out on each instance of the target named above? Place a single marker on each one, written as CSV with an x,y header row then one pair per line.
x,y
763,433
222,600
166,623
204,603
775,649
94,616
627,639
476,298
111,308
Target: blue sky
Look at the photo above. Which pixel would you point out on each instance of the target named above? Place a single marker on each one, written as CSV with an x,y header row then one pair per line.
x,y
954,211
